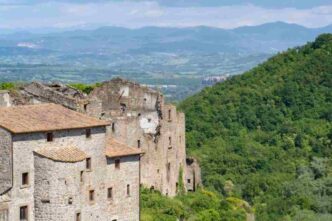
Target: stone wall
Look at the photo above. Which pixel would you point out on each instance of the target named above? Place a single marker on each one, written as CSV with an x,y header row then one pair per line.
x,y
66,96
4,99
193,174
142,120
6,178
59,185
23,161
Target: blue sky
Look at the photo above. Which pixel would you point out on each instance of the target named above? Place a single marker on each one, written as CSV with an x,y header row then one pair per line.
x,y
34,14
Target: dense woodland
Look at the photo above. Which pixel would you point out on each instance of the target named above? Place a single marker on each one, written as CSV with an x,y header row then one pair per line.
x,y
263,140
267,134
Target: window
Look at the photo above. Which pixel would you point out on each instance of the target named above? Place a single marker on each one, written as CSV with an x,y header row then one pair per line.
x,y
70,200
49,137
85,107
113,127
78,216
128,190
117,163
25,179
189,181
168,171
88,133
138,143
110,193
82,176
24,213
169,115
169,142
88,163
91,195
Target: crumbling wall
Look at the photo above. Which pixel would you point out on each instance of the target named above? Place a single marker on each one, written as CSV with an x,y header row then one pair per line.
x,y
41,93
4,99
193,174
141,119
6,179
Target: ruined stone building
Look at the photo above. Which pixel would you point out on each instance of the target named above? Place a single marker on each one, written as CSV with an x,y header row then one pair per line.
x,y
59,165
140,119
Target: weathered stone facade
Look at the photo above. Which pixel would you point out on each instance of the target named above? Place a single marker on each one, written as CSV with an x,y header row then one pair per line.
x,y
55,190
140,118
5,99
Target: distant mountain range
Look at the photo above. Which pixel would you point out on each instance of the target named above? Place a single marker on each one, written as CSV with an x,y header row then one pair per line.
x,y
155,56
266,38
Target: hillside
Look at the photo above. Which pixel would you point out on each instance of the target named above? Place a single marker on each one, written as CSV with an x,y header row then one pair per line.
x,y
268,133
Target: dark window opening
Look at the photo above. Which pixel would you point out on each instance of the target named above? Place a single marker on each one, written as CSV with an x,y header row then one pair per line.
x,y
88,163
110,193
189,181
168,171
113,127
169,114
82,176
78,216
88,133
117,163
123,107
138,143
170,141
25,178
149,120
91,195
24,213
128,190
85,107
49,137
70,200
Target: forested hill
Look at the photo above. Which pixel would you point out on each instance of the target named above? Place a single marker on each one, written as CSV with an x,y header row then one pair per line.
x,y
269,133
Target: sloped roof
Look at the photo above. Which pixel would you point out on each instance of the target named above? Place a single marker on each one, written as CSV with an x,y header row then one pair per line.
x,y
62,154
44,117
115,148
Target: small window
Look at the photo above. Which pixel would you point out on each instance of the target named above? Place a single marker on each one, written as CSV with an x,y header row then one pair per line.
x,y
24,213
149,120
70,200
82,176
78,216
113,127
88,163
117,163
88,133
91,195
169,141
189,181
25,179
85,107
128,190
110,193
138,143
169,114
49,137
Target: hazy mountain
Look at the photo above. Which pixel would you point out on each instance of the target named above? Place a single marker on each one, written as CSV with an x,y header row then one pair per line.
x,y
265,38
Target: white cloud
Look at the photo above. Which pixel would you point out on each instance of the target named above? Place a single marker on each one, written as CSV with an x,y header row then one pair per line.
x,y
137,14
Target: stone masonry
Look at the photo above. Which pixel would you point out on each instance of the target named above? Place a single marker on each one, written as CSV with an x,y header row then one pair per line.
x,y
140,118
64,172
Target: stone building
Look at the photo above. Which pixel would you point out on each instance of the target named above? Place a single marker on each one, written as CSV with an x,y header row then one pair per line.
x,y
140,118
57,164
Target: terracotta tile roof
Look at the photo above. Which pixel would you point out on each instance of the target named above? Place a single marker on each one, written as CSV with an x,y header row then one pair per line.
x,y
116,149
44,117
62,154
